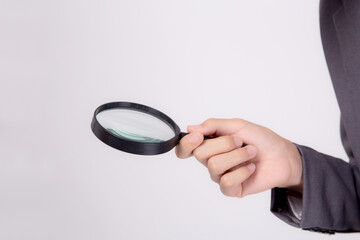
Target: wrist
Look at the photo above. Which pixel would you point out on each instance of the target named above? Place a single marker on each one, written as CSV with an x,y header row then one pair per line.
x,y
296,177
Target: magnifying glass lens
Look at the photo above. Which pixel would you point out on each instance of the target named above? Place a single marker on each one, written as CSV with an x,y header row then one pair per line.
x,y
134,125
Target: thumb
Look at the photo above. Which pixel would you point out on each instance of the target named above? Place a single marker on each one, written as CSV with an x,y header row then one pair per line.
x,y
218,127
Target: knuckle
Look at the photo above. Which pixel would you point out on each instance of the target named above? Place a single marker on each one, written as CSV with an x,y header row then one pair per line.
x,y
179,153
198,154
215,178
225,192
213,166
226,182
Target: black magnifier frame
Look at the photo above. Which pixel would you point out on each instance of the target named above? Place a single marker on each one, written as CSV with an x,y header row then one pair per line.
x,y
128,145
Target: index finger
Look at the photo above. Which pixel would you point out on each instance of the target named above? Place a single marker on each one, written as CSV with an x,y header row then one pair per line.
x,y
188,143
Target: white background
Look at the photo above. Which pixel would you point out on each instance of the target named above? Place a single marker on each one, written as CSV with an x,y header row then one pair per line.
x,y
258,60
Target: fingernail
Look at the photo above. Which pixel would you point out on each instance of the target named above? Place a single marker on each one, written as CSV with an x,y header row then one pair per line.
x,y
238,141
251,167
194,138
251,151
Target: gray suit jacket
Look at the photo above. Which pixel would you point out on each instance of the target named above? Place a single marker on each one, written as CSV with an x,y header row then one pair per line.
x,y
331,190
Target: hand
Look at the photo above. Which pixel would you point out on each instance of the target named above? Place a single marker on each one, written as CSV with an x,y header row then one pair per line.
x,y
266,161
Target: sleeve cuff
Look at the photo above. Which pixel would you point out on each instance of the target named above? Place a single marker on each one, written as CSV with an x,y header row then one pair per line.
x,y
329,201
282,209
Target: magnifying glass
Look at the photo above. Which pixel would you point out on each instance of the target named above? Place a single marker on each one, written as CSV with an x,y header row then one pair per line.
x,y
135,128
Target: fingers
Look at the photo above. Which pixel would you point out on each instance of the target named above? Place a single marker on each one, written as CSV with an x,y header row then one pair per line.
x,y
224,156
219,145
231,182
219,164
188,143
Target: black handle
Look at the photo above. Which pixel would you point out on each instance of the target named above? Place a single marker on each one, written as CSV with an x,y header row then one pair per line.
x,y
183,134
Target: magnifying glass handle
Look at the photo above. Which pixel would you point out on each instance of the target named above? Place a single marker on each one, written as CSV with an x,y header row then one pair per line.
x,y
183,134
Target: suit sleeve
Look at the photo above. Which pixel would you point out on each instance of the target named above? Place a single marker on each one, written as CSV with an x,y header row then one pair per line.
x,y
330,200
